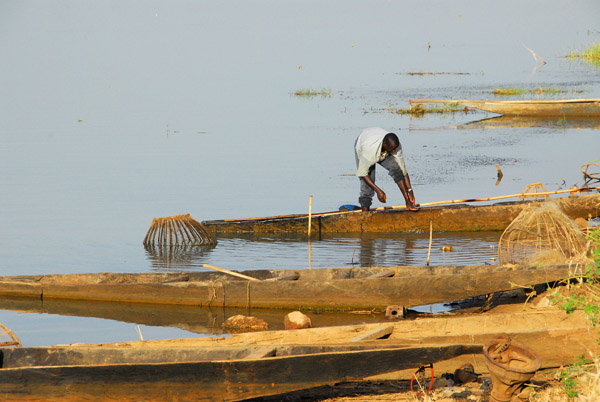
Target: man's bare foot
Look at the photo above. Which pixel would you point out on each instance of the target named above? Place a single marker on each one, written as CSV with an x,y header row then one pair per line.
x,y
365,209
412,207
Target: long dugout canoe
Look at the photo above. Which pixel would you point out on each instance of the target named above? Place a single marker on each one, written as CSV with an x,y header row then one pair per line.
x,y
333,289
118,373
452,218
589,108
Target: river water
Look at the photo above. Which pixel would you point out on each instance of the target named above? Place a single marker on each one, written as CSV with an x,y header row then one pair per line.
x,y
114,113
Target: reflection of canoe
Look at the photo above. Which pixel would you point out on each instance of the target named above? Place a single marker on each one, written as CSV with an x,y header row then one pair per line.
x,y
140,371
324,289
200,320
550,122
454,218
558,108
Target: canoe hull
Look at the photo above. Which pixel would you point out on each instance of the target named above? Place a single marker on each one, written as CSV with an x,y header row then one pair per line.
x,y
222,380
558,109
327,289
454,218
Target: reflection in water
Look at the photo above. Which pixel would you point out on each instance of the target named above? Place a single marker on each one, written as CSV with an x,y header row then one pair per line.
x,y
249,252
165,257
557,122
198,320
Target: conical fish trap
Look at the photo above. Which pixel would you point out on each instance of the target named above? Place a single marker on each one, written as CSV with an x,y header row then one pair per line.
x,y
540,233
178,230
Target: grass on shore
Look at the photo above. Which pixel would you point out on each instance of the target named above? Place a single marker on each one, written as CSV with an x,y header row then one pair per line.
x,y
581,380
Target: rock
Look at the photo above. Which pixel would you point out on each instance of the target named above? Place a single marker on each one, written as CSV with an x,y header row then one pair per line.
x,y
240,323
296,320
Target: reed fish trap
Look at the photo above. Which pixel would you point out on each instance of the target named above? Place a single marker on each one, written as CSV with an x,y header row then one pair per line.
x,y
179,230
541,233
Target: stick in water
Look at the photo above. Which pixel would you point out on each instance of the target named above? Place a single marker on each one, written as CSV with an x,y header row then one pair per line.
x,y
309,215
430,238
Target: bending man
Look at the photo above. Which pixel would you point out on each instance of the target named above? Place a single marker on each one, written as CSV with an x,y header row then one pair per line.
x,y
376,145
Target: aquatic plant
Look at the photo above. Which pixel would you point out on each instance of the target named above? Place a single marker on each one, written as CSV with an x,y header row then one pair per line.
x,y
590,56
419,110
324,93
537,91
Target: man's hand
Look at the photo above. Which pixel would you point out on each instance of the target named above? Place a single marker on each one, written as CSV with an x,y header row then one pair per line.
x,y
381,196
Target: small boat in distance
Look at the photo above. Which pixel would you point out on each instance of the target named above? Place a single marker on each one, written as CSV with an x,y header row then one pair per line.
x,y
589,108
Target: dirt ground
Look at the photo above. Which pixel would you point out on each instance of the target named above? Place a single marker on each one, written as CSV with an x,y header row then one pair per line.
x,y
544,387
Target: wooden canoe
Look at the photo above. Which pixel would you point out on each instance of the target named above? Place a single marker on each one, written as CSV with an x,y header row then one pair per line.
x,y
559,108
271,362
178,373
452,218
547,122
322,289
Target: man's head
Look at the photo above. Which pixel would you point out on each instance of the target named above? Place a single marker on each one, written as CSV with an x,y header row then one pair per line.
x,y
390,142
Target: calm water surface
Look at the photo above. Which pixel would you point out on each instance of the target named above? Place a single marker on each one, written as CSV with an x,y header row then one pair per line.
x,y
114,113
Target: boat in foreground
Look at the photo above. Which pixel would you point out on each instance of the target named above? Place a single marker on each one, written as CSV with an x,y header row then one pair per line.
x,y
320,289
451,218
140,371
588,108
264,363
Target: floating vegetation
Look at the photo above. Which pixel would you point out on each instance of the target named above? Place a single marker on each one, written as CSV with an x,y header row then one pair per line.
x,y
432,73
419,110
324,93
537,91
591,55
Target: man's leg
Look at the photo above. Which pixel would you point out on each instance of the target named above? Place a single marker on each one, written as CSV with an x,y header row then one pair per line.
x,y
365,197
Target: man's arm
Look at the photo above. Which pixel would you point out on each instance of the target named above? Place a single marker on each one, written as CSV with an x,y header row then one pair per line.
x,y
380,193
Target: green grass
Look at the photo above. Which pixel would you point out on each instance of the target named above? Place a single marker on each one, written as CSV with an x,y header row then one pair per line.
x,y
324,93
525,91
588,301
591,55
419,110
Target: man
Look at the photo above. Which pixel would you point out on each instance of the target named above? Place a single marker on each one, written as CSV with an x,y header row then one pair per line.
x,y
376,145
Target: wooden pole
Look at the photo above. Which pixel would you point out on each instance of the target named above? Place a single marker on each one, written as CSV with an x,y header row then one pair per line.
x,y
427,204
309,215
571,190
430,238
226,271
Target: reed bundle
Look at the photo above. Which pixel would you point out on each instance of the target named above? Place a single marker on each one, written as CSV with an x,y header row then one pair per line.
x,y
179,230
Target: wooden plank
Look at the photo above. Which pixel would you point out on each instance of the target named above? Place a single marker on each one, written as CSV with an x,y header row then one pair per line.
x,y
376,333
